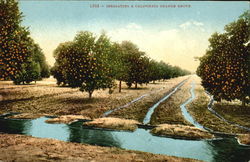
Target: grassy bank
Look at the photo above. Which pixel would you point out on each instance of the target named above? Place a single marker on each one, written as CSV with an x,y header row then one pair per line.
x,y
198,109
169,111
234,111
181,131
113,123
137,111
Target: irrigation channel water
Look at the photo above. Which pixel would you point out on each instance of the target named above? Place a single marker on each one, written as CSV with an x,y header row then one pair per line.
x,y
184,111
224,149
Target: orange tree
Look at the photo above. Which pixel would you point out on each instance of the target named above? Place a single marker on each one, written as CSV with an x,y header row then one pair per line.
x,y
224,69
14,40
84,63
136,64
35,68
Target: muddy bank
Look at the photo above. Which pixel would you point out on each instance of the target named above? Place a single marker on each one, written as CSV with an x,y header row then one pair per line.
x,y
29,149
26,116
113,123
181,131
67,119
244,139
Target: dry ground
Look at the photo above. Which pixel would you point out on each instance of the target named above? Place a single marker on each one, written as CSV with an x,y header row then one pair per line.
x,y
47,97
24,148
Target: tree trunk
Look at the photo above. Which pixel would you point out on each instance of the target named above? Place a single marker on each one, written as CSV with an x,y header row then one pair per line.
x,y
120,86
244,102
153,81
90,94
135,85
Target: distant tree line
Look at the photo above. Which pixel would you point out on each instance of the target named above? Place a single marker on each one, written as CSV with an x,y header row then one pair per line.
x,y
92,63
21,60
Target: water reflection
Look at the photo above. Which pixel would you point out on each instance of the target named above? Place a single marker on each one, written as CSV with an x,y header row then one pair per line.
x,y
228,149
15,126
94,137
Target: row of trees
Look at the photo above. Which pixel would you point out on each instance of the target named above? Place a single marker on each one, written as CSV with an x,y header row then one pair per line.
x,y
88,62
21,60
91,63
225,68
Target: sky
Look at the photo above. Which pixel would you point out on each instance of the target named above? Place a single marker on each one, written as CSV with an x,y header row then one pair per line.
x,y
174,35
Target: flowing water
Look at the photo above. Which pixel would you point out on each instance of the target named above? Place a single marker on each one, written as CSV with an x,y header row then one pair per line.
x,y
184,111
226,149
151,110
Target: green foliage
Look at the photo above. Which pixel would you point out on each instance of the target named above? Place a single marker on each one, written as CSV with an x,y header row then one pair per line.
x,y
135,63
91,63
14,40
224,69
35,68
30,72
84,63
18,52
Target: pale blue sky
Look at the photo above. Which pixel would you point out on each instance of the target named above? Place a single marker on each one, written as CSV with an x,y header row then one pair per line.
x,y
174,35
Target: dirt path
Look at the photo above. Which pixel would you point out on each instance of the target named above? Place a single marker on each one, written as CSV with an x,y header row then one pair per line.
x,y
24,148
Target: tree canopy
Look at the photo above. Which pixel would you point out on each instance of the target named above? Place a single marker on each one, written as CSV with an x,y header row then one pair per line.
x,y
84,62
21,60
90,63
224,69
14,40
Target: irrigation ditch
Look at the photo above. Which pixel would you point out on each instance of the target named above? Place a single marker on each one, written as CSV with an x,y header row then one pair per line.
x,y
224,148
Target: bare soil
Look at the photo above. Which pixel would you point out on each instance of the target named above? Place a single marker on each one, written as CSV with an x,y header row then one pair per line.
x,y
29,149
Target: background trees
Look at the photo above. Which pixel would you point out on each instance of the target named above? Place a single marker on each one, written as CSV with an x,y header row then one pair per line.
x,y
35,68
90,63
224,69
